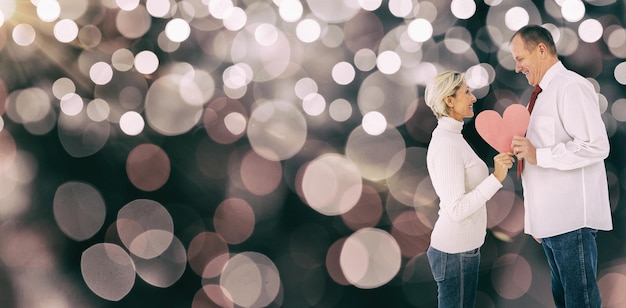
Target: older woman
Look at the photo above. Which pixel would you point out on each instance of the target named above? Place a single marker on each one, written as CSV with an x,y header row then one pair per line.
x,y
463,183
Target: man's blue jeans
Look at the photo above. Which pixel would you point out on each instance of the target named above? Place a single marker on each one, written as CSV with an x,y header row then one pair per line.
x,y
573,259
456,276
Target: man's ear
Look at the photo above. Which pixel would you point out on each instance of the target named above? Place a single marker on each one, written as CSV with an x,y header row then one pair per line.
x,y
543,50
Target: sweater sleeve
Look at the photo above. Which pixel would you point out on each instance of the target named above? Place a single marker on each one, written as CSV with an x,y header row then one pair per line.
x,y
447,171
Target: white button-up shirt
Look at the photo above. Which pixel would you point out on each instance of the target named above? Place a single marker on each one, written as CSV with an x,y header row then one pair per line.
x,y
567,189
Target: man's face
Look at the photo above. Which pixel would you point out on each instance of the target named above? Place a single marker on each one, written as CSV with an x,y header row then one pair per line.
x,y
526,62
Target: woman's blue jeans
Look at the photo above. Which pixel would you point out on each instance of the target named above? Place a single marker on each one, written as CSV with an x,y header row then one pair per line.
x,y
573,259
456,275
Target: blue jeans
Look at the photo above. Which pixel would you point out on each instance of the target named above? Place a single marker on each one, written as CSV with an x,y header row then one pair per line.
x,y
573,259
456,275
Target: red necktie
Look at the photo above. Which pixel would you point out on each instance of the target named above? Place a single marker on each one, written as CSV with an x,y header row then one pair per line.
x,y
531,105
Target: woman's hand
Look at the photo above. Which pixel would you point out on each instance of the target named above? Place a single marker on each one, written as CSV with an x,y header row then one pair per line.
x,y
502,163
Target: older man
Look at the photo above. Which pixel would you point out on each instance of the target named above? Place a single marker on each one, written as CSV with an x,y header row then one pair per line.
x,y
564,179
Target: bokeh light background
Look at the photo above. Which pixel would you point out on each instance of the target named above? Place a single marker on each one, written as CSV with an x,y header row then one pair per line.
x,y
252,153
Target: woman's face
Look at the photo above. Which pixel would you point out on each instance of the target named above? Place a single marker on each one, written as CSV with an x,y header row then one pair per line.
x,y
461,104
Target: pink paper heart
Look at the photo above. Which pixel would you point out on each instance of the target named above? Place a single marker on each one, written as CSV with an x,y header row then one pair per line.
x,y
499,131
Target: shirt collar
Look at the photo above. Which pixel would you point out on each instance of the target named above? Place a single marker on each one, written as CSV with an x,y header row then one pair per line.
x,y
450,124
549,75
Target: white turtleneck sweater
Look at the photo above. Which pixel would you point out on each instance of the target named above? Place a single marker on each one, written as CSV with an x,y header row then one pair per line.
x,y
462,182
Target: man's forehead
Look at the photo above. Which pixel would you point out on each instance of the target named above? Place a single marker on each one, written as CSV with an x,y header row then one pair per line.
x,y
517,46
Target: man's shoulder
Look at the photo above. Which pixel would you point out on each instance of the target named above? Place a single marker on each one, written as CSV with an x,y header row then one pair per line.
x,y
568,73
568,77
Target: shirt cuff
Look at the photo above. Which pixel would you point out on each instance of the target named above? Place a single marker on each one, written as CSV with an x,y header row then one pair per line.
x,y
544,157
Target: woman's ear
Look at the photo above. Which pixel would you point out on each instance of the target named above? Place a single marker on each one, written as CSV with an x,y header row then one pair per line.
x,y
449,102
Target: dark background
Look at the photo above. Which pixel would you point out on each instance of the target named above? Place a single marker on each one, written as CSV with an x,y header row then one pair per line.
x,y
40,266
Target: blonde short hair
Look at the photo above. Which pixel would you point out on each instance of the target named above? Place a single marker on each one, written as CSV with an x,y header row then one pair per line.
x,y
443,85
